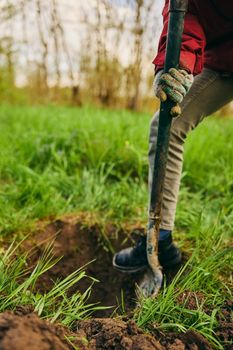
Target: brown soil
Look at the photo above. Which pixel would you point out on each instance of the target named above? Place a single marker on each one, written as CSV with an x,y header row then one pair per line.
x,y
29,332
107,334
23,330
192,300
113,334
80,244
224,330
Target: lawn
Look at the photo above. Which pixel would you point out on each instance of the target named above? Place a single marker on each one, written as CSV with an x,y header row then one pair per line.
x,y
60,160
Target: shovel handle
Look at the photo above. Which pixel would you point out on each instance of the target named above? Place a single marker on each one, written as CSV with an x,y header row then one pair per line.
x,y
177,12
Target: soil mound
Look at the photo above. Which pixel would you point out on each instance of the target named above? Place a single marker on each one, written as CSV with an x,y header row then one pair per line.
x,y
113,334
23,330
106,334
29,332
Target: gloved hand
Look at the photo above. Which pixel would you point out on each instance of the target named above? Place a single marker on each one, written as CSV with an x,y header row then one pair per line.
x,y
174,85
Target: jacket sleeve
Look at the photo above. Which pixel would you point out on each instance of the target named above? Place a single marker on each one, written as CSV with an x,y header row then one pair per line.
x,y
193,44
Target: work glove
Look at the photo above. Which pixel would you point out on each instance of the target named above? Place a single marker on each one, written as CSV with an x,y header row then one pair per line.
x,y
174,85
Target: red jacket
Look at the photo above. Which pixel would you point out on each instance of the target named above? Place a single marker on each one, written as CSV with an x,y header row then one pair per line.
x,y
207,39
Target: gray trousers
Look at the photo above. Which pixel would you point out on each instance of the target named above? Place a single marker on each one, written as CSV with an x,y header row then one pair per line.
x,y
209,92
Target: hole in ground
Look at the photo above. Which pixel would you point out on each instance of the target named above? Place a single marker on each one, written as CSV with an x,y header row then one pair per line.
x,y
78,245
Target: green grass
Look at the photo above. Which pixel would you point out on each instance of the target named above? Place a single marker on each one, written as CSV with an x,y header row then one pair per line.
x,y
18,288
200,278
56,160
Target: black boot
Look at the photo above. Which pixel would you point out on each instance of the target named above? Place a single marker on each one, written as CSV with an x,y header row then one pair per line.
x,y
134,259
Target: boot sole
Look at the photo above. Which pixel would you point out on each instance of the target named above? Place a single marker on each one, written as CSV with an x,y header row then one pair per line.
x,y
128,269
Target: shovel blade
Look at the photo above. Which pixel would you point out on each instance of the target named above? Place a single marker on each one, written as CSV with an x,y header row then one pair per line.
x,y
151,283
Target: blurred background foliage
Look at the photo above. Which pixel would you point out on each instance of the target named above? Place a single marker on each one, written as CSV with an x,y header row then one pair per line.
x,y
96,52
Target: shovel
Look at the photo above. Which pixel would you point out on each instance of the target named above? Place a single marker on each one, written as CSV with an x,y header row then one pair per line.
x,y
153,278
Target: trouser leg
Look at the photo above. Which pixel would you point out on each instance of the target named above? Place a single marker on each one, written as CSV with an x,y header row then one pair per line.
x,y
210,91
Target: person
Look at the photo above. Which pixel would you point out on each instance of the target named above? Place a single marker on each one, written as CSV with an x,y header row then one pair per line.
x,y
206,54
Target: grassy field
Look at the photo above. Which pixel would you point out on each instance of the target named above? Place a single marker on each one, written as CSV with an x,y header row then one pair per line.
x,y
58,160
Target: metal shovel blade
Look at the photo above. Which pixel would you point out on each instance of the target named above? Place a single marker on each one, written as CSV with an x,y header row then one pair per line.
x,y
151,283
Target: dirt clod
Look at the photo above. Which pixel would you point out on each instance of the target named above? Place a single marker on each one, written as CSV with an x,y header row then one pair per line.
x,y
29,332
189,340
115,334
106,334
